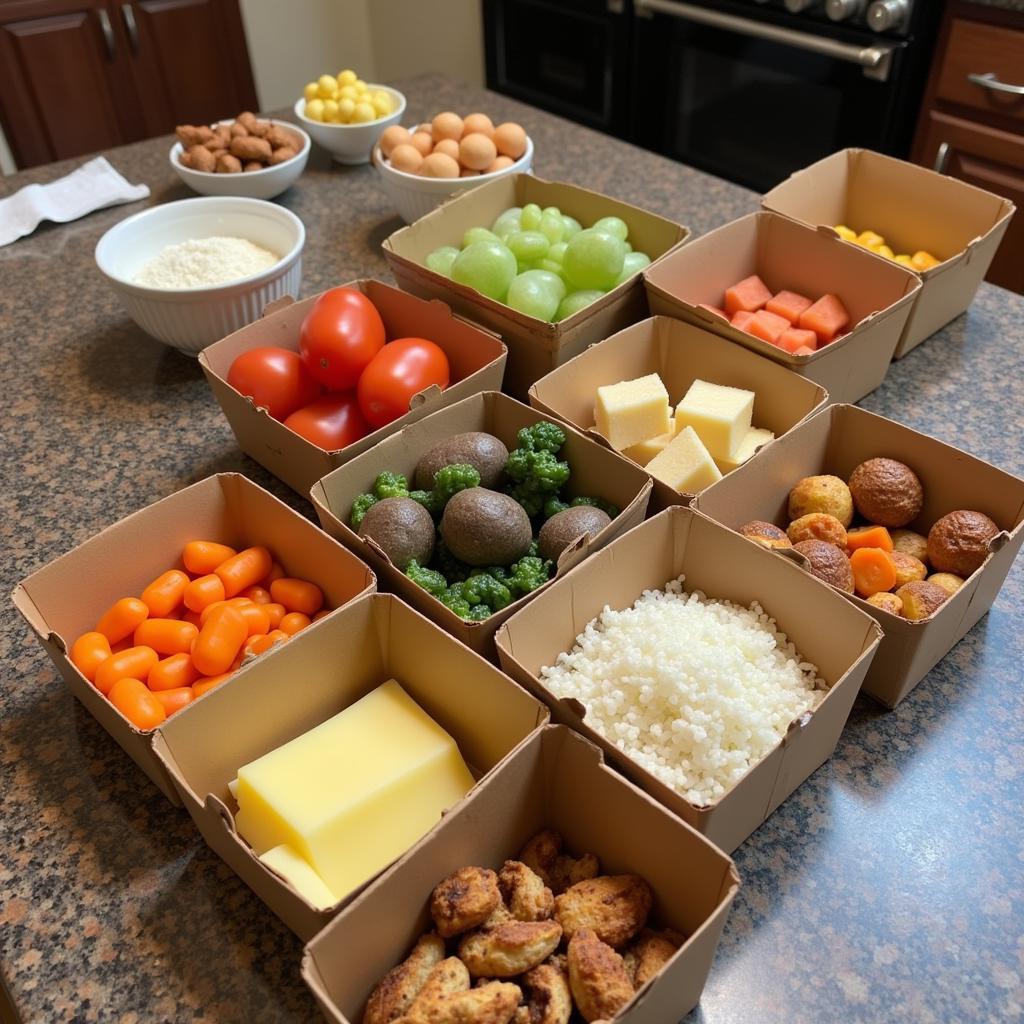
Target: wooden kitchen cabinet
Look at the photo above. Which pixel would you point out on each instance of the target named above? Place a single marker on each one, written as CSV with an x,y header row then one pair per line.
x,y
77,76
973,129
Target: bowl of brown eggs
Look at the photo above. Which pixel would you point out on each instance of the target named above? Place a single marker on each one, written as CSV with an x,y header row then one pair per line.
x,y
422,166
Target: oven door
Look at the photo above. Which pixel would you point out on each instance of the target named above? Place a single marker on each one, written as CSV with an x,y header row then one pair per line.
x,y
737,92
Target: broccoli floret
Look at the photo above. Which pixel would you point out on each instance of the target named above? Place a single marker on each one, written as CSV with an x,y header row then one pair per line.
x,y
391,485
430,580
529,573
453,598
483,588
428,499
478,613
542,437
448,564
605,506
536,476
553,506
359,509
534,549
451,479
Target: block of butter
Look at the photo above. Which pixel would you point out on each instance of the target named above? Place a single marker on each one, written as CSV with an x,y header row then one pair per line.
x,y
752,440
720,415
685,465
646,450
352,794
632,411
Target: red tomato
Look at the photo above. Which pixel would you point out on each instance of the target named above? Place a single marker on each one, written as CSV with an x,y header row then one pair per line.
x,y
275,379
402,368
340,335
331,422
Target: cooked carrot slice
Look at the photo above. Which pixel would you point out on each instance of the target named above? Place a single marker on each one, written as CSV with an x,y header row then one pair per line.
x,y
788,304
750,294
869,537
873,571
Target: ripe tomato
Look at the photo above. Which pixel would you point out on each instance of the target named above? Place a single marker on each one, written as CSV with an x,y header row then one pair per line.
x,y
402,368
331,422
340,335
275,379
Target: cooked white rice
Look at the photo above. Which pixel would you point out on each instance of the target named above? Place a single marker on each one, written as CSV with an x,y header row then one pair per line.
x,y
695,690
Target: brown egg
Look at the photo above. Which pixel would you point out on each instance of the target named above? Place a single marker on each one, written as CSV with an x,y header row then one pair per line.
x,y
499,164
510,139
478,123
476,152
423,142
393,136
446,126
407,158
447,146
439,165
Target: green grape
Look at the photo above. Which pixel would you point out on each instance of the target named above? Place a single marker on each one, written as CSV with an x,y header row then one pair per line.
x,y
632,264
572,227
489,267
528,245
531,218
629,248
575,301
536,293
552,225
593,259
507,222
440,260
557,252
478,235
553,210
551,266
612,226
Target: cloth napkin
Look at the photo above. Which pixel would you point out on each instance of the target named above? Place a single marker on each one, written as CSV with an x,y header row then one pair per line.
x,y
90,187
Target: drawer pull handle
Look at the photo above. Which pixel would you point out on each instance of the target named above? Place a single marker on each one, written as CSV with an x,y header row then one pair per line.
x,y
108,33
939,167
991,81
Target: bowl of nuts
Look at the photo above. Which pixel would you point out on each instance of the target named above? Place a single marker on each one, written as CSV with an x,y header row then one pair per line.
x,y
248,156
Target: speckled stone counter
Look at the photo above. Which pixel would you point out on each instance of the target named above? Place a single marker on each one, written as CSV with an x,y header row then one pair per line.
x,y
888,888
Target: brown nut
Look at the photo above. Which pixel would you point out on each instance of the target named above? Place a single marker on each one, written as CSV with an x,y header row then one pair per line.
x,y
887,601
280,155
648,953
398,988
821,494
222,135
203,159
188,135
920,599
246,118
908,568
259,128
766,534
910,543
543,855
524,893
248,147
828,563
237,131
817,526
253,165
509,949
886,492
228,164
464,900
958,542
278,136
597,977
614,906
949,582
185,158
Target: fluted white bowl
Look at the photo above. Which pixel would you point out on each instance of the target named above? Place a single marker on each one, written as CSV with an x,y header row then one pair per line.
x,y
189,319
351,143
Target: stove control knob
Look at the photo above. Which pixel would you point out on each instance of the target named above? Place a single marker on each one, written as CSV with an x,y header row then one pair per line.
x,y
888,15
799,6
843,10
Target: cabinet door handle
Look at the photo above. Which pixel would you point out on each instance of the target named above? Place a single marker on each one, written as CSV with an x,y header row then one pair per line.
x,y
108,32
941,158
991,81
129,23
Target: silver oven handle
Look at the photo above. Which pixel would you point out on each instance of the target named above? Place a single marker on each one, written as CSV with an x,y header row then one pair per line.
x,y
875,60
990,81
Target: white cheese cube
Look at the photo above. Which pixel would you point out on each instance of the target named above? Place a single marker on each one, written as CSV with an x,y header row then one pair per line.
x,y
647,450
685,465
632,411
720,415
752,440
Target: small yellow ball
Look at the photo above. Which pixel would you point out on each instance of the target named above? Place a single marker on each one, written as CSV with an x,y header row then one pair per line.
x,y
348,92
315,110
360,85
346,108
326,86
364,112
347,77
382,103
331,111
309,92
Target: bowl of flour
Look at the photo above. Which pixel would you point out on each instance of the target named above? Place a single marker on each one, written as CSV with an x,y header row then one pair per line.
x,y
191,272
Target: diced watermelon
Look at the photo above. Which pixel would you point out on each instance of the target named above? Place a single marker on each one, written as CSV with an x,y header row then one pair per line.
x,y
750,295
795,338
788,304
741,319
767,326
713,309
827,317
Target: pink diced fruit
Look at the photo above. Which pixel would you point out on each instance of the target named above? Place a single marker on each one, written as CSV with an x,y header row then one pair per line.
x,y
788,304
827,318
767,326
749,296
741,319
798,341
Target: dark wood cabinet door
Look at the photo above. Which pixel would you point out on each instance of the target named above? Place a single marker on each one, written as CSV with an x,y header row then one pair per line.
x,y
58,87
190,60
993,160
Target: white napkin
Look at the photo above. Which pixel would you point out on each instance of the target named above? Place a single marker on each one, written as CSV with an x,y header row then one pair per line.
x,y
90,187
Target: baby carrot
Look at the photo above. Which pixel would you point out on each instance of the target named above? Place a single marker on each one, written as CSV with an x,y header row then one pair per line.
x,y
219,641
136,703
166,636
203,592
122,618
243,570
88,652
873,571
172,673
201,686
136,662
203,556
293,622
164,594
176,699
297,595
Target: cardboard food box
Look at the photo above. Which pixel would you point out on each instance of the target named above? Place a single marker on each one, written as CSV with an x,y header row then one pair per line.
x,y
67,597
679,353
837,440
876,292
831,634
913,208
476,358
311,680
559,781
534,346
596,471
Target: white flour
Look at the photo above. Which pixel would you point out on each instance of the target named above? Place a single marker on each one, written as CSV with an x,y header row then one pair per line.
x,y
204,261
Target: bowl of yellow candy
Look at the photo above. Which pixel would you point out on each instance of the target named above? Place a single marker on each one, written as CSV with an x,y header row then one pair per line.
x,y
920,261
347,116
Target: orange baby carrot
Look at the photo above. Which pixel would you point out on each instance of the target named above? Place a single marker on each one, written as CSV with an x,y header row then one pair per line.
x,y
88,652
166,636
122,618
203,592
136,662
176,699
873,571
203,556
297,595
243,570
164,594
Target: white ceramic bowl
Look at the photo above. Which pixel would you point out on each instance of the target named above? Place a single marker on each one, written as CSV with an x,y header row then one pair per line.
x,y
414,196
351,143
265,184
189,319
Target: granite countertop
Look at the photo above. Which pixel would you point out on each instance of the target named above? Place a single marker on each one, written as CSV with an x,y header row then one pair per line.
x,y
888,888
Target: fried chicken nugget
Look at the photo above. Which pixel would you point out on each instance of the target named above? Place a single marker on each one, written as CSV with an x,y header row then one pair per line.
x,y
648,953
464,900
446,978
597,977
543,855
615,906
494,1003
509,949
550,1001
524,893
399,987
